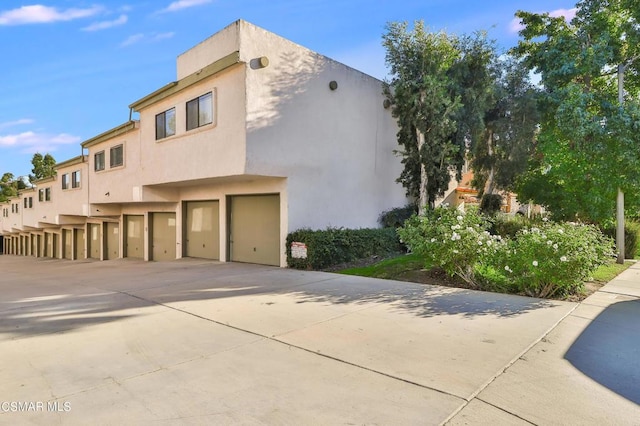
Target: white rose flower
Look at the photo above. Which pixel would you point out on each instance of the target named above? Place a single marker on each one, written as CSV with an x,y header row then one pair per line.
x,y
534,263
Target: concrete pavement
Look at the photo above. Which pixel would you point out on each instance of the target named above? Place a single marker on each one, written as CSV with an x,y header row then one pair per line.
x,y
198,342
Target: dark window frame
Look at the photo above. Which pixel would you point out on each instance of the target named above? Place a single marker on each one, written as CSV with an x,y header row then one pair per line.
x,y
75,179
163,128
98,165
193,108
113,158
65,181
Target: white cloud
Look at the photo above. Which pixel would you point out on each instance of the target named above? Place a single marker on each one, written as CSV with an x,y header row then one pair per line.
x,y
15,123
183,4
516,25
103,25
32,142
136,38
39,14
150,38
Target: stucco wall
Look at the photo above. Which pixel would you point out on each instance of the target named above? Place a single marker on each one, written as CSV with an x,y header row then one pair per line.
x,y
216,149
335,146
116,185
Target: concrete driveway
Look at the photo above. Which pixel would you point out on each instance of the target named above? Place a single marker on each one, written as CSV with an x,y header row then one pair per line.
x,y
198,342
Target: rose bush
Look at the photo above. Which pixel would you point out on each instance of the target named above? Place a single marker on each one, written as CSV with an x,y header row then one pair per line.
x,y
549,260
456,241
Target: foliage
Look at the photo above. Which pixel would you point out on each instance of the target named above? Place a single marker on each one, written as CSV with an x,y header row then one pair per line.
x,y
333,246
549,260
43,167
490,204
508,226
589,145
553,259
425,107
454,240
9,186
631,235
511,121
396,217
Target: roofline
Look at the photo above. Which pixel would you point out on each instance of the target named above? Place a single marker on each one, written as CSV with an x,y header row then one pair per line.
x,y
176,86
110,134
70,162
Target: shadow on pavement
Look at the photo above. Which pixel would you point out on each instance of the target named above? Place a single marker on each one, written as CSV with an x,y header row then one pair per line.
x,y
66,296
608,350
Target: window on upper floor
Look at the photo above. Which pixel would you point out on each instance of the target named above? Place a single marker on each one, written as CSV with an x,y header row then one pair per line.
x,y
166,124
75,179
98,161
116,156
65,181
200,111
30,202
47,194
41,195
26,202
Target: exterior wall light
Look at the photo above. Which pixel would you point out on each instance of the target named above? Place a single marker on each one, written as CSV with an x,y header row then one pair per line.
x,y
333,85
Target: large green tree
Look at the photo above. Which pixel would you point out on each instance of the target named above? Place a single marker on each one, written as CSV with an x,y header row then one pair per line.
x,y
438,91
589,144
43,167
510,124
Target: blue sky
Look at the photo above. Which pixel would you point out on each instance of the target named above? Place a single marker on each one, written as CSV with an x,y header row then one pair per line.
x,y
70,68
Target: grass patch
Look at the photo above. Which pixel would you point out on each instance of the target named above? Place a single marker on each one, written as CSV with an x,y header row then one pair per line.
x,y
388,268
606,273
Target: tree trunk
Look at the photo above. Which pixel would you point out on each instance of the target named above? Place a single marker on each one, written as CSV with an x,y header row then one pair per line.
x,y
490,185
424,179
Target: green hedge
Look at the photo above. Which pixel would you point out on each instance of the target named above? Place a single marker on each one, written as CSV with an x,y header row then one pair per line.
x,y
631,234
333,246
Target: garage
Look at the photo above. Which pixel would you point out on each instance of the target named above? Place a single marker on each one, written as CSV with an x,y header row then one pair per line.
x,y
202,229
67,244
95,240
80,252
163,236
134,241
254,229
112,241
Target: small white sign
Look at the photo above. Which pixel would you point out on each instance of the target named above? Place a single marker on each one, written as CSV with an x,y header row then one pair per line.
x,y
298,250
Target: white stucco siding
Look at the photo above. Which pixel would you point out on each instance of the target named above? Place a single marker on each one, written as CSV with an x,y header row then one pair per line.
x,y
213,150
114,184
334,146
217,46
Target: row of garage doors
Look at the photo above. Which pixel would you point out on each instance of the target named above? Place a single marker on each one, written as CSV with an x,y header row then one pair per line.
x,y
253,228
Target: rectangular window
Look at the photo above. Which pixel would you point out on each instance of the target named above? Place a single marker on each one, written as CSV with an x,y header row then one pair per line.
x,y
47,194
17,208
65,181
30,202
200,111
166,124
115,156
41,195
75,179
98,161
26,203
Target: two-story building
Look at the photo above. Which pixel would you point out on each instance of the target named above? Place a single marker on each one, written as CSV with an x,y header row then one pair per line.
x,y
257,137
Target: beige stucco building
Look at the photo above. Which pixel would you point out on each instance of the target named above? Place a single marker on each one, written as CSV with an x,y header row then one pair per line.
x,y
256,138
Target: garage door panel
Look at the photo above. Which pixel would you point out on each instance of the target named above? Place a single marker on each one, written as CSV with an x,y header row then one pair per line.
x,y
255,229
163,236
134,240
202,229
95,240
112,249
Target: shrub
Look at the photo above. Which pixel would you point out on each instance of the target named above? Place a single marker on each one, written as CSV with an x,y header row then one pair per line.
x,y
631,232
333,246
553,259
491,204
456,241
396,217
508,226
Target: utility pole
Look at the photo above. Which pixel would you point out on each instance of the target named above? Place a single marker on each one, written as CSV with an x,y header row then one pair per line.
x,y
620,200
